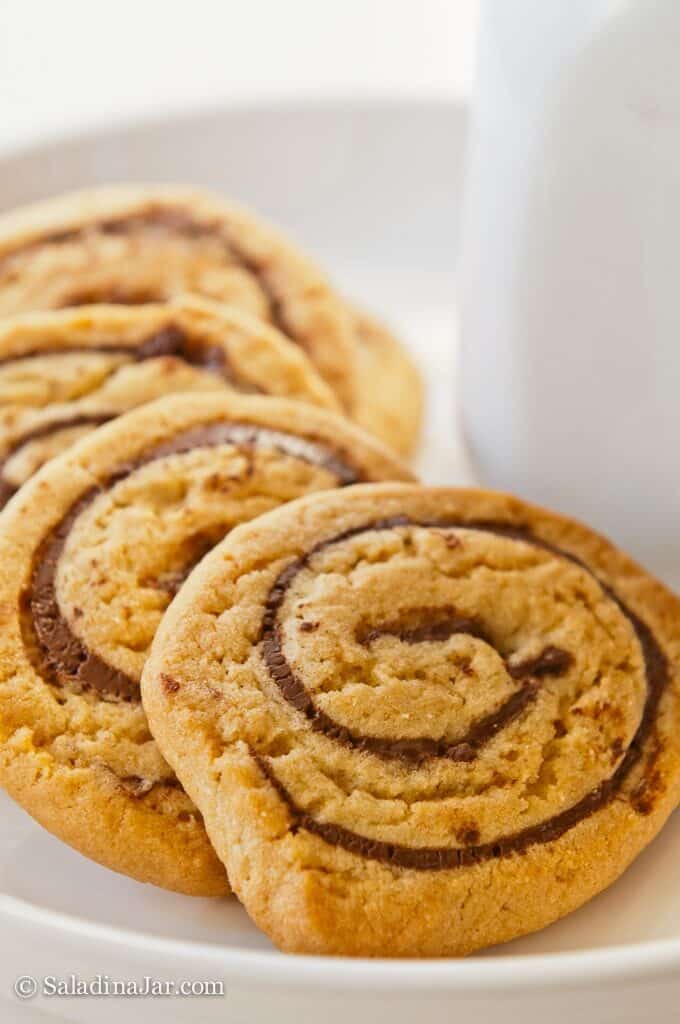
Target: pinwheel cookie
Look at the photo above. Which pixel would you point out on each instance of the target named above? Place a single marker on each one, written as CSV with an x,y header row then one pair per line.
x,y
136,245
419,721
64,373
93,548
389,400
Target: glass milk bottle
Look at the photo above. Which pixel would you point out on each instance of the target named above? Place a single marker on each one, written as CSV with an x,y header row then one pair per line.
x,y
570,265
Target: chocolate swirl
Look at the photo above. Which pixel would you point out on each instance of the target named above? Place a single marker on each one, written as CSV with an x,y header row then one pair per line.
x,y
61,657
170,340
436,625
45,430
179,223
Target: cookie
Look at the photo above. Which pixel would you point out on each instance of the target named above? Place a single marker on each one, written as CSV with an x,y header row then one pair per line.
x,y
93,549
134,245
82,367
419,721
389,398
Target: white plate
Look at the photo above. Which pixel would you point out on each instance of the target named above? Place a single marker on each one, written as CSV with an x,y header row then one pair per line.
x,y
373,190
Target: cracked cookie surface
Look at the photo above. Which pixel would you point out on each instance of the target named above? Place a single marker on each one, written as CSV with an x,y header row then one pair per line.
x,y
64,373
93,549
419,721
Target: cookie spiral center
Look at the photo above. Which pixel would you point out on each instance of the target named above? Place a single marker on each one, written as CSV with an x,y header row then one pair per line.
x,y
465,676
419,625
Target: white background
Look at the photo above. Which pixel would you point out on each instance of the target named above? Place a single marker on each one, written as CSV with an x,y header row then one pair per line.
x,y
67,64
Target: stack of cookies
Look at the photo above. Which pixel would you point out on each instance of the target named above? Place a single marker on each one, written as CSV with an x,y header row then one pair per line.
x,y
242,650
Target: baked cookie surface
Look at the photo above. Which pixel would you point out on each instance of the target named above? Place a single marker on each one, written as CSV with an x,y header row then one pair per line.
x,y
136,245
419,721
93,548
64,373
389,395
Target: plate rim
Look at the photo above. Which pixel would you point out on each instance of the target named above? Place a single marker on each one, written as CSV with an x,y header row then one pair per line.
x,y
583,969
112,124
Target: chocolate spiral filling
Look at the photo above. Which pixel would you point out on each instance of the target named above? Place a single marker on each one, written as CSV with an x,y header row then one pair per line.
x,y
550,661
61,656
167,341
442,624
179,222
7,489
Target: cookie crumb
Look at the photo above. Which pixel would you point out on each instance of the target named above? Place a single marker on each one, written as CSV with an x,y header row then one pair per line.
x,y
169,684
452,541
136,786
